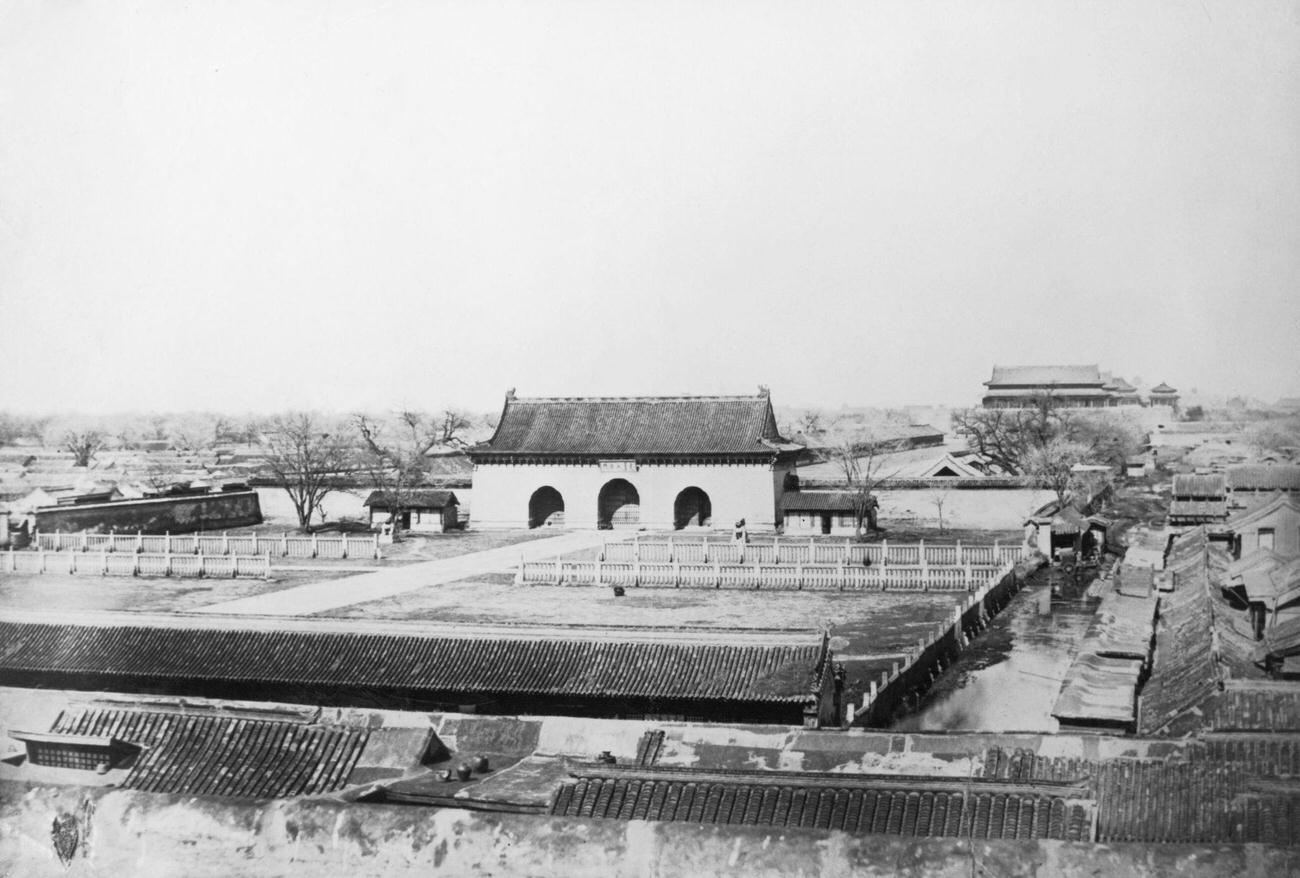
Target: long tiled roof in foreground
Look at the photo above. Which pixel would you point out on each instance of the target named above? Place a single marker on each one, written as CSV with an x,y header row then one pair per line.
x,y
631,426
723,664
224,755
893,805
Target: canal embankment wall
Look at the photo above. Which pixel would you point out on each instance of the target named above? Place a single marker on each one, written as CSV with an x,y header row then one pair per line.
x,y
931,655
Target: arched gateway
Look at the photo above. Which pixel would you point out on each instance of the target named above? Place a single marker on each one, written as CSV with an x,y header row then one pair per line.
x,y
619,505
638,461
692,508
546,508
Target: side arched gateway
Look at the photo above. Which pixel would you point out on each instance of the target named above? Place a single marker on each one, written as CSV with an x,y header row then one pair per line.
x,y
618,505
546,508
692,508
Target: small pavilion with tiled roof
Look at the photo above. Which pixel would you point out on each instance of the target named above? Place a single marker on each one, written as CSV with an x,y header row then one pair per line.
x,y
632,462
1163,394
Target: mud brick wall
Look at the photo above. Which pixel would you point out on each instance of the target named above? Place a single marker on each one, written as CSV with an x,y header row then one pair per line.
x,y
216,511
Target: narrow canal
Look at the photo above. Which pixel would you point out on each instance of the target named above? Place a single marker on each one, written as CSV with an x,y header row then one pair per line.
x,y
1008,678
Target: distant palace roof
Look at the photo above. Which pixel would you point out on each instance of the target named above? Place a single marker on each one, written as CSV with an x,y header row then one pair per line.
x,y
631,426
1046,376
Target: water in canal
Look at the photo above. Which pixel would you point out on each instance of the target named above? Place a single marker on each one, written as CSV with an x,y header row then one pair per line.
x,y
1008,678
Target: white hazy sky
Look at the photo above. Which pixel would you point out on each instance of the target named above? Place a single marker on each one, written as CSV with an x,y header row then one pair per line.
x,y
254,206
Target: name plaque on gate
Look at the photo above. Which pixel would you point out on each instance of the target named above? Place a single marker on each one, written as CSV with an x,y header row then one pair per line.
x,y
618,466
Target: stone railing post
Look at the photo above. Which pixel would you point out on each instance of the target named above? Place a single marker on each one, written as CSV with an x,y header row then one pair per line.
x,y
717,573
225,543
884,553
636,547
139,541
776,550
559,571
314,547
200,563
103,563
677,571
959,558
704,548
519,575
798,575
284,545
84,540
378,552
600,559
671,555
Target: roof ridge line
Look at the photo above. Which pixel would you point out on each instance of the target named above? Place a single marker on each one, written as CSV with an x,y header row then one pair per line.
x,y
729,397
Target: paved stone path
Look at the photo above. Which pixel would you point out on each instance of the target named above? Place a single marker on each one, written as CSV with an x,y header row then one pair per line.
x,y
317,597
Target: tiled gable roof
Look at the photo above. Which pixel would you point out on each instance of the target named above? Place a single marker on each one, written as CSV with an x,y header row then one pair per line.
x,y
1045,375
1198,511
630,426
420,498
818,501
762,667
1254,477
1187,485
880,804
224,755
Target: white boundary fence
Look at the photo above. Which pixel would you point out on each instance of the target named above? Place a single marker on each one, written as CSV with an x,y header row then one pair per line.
x,y
106,563
774,577
810,551
331,546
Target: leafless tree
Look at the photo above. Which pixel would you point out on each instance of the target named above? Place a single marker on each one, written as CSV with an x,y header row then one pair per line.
x,y
859,459
451,424
1054,463
309,459
1014,438
83,444
939,496
392,456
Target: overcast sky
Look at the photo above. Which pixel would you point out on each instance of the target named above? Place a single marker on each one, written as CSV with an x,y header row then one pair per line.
x,y
258,206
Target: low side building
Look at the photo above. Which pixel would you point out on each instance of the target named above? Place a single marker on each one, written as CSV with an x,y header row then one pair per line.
x,y
632,462
821,512
1271,525
425,510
